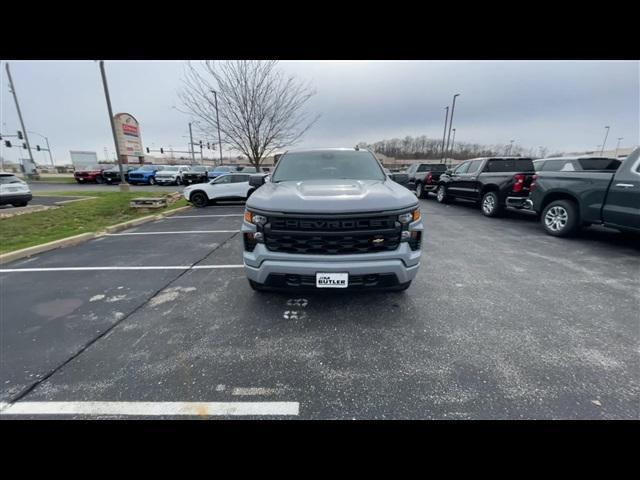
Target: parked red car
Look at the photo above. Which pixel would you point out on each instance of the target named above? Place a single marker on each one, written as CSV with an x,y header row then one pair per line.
x,y
86,176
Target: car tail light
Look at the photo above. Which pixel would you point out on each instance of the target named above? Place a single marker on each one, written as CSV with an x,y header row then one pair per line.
x,y
532,187
519,182
429,178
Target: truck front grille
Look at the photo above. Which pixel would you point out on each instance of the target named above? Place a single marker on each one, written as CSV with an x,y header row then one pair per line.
x,y
332,236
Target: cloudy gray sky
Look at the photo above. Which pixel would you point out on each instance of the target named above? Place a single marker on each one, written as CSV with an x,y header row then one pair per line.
x,y
562,105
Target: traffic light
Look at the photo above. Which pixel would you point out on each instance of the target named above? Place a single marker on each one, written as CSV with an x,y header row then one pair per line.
x,y
200,143
148,150
24,145
7,143
20,135
161,150
208,146
38,147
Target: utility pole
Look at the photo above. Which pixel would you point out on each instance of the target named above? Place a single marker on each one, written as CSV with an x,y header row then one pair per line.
x,y
124,186
453,107
215,97
618,145
193,155
444,134
605,141
15,98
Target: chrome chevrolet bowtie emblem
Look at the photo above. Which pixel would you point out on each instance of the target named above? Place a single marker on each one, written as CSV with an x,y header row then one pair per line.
x,y
377,240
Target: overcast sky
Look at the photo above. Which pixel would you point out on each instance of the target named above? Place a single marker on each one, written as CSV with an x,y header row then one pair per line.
x,y
562,105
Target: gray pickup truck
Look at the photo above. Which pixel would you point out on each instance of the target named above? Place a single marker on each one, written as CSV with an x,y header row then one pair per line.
x,y
331,218
567,200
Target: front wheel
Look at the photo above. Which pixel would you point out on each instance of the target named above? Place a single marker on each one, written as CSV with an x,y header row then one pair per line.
x,y
441,194
255,286
152,181
420,191
20,204
490,205
178,181
560,218
99,179
199,199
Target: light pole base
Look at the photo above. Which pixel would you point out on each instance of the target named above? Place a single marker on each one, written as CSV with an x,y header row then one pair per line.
x,y
124,187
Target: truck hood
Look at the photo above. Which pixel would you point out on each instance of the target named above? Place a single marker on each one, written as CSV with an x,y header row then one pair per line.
x,y
332,196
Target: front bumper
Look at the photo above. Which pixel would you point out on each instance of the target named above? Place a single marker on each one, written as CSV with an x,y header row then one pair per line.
x,y
164,180
401,262
9,198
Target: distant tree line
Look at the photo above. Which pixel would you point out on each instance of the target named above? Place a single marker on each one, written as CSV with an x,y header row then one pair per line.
x,y
423,147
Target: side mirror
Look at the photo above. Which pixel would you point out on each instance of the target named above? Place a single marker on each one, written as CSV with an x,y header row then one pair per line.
x,y
256,180
401,178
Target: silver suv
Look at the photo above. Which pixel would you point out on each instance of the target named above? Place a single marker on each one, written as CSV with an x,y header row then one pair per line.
x,y
331,219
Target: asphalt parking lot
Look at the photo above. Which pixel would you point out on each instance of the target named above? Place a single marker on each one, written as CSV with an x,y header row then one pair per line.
x,y
502,322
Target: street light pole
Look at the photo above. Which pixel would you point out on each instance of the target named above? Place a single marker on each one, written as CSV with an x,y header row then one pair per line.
x,y
605,140
124,186
453,107
15,98
618,145
215,97
193,155
444,133
48,147
453,140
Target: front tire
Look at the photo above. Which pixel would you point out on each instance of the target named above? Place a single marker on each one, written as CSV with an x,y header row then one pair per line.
x,y
178,181
560,218
441,194
99,179
152,181
490,205
401,288
20,204
257,287
199,199
420,191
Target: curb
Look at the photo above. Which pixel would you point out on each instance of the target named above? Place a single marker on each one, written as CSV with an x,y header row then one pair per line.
x,y
83,237
65,242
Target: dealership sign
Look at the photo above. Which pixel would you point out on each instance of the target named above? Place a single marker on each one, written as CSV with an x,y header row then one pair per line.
x,y
128,135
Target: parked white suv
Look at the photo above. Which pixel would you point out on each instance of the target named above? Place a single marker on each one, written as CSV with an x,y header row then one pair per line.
x,y
231,186
171,174
13,190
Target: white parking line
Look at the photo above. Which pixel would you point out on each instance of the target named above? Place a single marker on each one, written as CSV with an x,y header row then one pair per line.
x,y
152,408
170,233
206,216
89,269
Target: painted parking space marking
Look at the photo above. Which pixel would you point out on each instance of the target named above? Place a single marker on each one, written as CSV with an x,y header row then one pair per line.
x,y
170,233
151,408
89,269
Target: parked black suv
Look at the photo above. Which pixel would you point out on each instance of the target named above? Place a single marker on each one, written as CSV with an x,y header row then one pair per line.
x,y
493,182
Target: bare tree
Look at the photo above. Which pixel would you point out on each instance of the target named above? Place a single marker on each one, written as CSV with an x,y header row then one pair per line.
x,y
260,109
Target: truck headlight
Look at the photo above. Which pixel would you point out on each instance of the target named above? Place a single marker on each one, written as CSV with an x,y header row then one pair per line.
x,y
408,217
253,218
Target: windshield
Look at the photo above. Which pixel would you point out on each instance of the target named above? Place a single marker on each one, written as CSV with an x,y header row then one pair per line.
x,y
171,169
199,169
9,179
328,164
222,169
249,170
